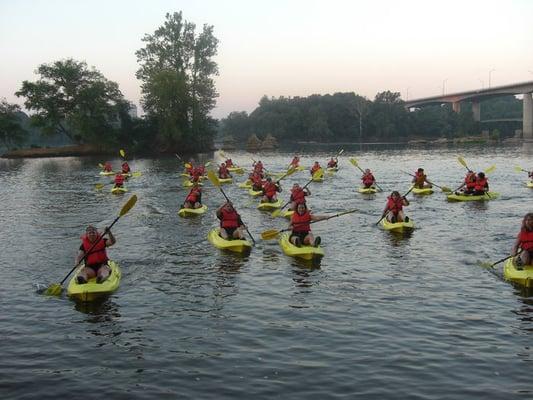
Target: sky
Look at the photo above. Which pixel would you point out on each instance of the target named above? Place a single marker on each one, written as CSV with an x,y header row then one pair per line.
x,y
284,48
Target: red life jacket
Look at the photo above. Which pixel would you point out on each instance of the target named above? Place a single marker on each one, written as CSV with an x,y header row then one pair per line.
x,y
526,239
125,168
230,219
480,184
98,254
315,168
223,172
295,161
368,179
302,221
394,206
194,195
420,178
470,180
256,180
108,167
119,179
298,195
332,164
270,189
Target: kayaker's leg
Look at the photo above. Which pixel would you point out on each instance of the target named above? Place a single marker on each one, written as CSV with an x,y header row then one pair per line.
x,y
309,239
400,217
237,234
197,205
295,239
103,273
526,257
264,199
223,234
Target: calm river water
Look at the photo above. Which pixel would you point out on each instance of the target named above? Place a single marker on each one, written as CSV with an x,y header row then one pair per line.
x,y
384,317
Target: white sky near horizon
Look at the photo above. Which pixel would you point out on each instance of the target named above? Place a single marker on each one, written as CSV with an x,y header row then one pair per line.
x,y
284,48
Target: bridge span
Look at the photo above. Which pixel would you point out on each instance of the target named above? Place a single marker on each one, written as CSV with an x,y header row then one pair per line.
x,y
476,96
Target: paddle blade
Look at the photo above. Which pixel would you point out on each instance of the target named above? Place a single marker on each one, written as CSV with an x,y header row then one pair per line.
x,y
462,162
354,162
446,189
213,178
122,153
136,174
490,169
188,165
340,152
99,186
276,213
128,206
207,164
485,264
54,289
101,165
270,234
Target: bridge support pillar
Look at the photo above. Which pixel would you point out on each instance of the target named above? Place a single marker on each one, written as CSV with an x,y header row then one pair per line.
x,y
527,118
456,106
476,110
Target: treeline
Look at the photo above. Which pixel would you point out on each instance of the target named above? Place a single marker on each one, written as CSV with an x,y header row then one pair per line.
x,y
354,118
176,70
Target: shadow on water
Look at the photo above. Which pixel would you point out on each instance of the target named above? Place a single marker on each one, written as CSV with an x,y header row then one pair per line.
x,y
398,238
100,310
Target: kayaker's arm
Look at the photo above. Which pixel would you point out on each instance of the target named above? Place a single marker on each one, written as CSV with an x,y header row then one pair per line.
x,y
405,202
111,241
516,245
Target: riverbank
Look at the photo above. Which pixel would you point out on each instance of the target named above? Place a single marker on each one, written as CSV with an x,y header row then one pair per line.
x,y
63,151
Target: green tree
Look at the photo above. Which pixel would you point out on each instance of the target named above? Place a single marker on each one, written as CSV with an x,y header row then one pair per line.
x,y
388,117
178,89
11,133
71,99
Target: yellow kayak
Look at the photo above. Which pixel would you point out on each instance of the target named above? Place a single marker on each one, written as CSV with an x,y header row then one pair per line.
x,y
332,170
523,277
287,214
118,190
225,180
469,197
237,170
269,206
529,184
370,190
397,226
422,192
107,173
245,185
91,290
189,184
304,252
192,212
255,193
236,245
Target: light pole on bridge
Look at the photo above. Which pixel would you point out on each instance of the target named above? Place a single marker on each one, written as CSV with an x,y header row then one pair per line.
x,y
482,83
444,86
407,94
490,73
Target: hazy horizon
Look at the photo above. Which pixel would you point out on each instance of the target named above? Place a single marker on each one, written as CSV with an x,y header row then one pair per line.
x,y
293,48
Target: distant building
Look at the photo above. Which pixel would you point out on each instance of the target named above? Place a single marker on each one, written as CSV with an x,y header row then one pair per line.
x,y
133,111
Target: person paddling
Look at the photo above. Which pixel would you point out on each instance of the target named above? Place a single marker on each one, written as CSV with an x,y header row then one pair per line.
x,y
420,179
316,166
481,184
194,198
125,168
269,191
524,241
368,179
231,225
258,168
229,163
332,163
394,208
96,261
257,182
298,196
108,167
295,163
301,228
119,180
223,172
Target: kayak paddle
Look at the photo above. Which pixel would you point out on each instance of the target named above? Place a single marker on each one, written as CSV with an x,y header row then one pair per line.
x,y
214,180
384,215
55,289
353,161
463,163
520,169
443,188
277,213
273,233
488,265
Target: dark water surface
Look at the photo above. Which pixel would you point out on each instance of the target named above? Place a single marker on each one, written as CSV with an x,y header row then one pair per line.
x,y
384,317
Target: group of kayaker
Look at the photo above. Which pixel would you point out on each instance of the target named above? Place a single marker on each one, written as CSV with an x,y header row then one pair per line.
x,y
474,184
120,176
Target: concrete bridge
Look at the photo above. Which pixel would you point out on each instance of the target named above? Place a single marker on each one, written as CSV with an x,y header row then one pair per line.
x,y
476,96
